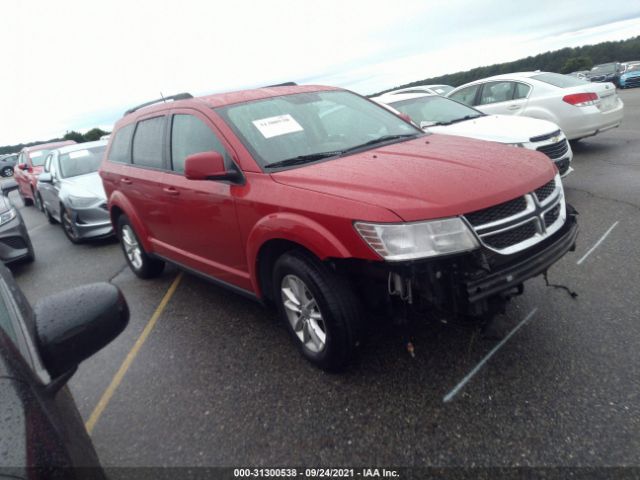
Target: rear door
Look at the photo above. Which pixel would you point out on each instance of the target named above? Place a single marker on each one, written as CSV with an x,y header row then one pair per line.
x,y
503,98
204,233
144,181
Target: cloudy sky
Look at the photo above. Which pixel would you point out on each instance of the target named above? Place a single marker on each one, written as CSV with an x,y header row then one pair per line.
x,y
72,65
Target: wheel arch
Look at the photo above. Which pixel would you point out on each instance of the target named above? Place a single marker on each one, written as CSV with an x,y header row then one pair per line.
x,y
279,233
118,206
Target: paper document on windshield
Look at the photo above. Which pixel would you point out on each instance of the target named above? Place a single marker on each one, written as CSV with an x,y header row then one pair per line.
x,y
279,125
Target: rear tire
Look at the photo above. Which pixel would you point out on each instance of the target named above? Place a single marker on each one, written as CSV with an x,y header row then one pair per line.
x,y
50,217
140,262
319,309
7,172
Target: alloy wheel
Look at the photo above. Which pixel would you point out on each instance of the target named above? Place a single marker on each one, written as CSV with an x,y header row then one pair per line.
x,y
303,313
67,225
131,247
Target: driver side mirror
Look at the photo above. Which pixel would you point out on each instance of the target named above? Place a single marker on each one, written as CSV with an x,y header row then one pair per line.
x,y
73,325
45,177
208,166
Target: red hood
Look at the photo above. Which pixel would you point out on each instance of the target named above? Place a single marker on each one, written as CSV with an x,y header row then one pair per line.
x,y
429,177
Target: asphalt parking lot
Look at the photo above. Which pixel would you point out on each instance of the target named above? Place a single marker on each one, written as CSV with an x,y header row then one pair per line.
x,y
214,379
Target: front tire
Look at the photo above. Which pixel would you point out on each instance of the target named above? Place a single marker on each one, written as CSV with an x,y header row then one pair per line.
x,y
27,202
143,265
39,203
67,226
319,308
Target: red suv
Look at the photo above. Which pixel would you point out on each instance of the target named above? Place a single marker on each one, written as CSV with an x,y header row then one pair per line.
x,y
327,205
30,165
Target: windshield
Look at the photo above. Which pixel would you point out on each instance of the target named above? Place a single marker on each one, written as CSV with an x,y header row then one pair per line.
x,y
435,110
632,67
310,126
38,157
81,162
558,80
604,68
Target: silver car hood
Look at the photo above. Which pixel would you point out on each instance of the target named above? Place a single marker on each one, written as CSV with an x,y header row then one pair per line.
x,y
88,185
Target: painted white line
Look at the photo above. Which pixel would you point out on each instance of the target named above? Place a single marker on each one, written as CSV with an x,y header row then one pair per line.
x,y
606,234
449,396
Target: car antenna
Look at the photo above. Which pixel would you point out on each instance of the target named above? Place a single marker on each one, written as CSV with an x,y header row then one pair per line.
x,y
163,99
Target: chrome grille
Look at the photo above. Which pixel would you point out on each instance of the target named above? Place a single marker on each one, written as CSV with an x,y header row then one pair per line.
x,y
518,224
497,212
552,215
555,150
511,237
544,191
563,165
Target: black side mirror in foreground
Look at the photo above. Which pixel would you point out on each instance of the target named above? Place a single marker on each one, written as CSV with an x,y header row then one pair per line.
x,y
73,325
8,187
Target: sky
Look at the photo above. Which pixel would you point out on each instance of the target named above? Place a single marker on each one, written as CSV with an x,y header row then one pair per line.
x,y
73,65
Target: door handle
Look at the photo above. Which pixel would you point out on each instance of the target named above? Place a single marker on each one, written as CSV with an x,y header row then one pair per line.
x,y
126,181
513,107
171,191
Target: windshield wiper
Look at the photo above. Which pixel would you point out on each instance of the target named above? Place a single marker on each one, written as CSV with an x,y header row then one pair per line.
x,y
384,138
300,159
461,119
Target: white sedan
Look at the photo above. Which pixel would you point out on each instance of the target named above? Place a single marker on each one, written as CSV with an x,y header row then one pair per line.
x,y
580,108
441,115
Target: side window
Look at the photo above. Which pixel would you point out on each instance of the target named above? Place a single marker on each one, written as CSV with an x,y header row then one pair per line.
x,y
495,92
21,158
47,162
521,91
191,135
147,143
466,95
53,169
121,145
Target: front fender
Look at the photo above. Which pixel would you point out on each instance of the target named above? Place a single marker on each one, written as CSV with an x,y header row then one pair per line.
x,y
293,228
118,200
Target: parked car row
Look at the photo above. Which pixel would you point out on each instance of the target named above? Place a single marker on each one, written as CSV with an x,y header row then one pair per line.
x,y
62,180
7,164
614,72
581,109
442,115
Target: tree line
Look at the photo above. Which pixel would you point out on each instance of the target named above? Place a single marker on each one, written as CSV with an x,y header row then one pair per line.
x,y
565,60
91,136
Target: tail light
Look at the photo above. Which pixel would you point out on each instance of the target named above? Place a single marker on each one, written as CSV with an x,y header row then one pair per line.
x,y
581,99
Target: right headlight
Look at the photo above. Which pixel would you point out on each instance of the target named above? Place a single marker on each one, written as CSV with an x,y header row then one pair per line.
x,y
7,216
409,241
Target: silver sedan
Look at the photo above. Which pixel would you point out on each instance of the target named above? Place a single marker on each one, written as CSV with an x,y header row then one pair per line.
x,y
71,192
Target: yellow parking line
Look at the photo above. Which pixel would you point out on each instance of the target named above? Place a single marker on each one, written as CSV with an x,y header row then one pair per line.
x,y
117,379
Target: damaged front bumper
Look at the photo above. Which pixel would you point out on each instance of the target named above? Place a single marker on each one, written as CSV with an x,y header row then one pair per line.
x,y
475,284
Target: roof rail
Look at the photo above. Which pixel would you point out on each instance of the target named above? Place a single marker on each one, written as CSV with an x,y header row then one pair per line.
x,y
179,96
285,84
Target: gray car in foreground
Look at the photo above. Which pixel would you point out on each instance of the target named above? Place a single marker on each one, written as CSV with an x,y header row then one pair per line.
x,y
15,243
71,191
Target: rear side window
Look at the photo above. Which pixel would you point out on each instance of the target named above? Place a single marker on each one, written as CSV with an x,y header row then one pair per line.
x,y
466,95
147,143
521,91
121,145
191,135
496,92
